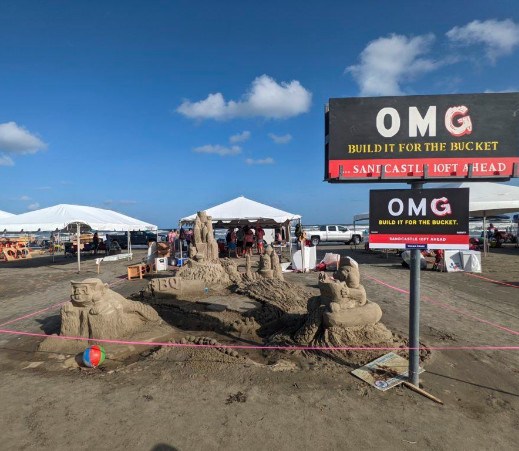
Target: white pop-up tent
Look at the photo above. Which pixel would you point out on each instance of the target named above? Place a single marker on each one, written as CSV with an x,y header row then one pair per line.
x,y
242,211
60,216
488,198
5,214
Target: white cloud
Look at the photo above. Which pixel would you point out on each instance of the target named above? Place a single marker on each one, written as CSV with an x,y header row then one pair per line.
x,y
25,198
491,91
33,206
266,98
6,160
281,139
387,62
16,139
498,37
267,160
240,137
219,150
43,188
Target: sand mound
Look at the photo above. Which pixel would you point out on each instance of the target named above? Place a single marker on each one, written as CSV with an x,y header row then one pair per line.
x,y
285,296
209,272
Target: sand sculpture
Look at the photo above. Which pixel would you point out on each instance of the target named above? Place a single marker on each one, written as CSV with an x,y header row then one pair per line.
x,y
342,315
345,298
203,245
346,306
95,311
205,265
269,266
210,272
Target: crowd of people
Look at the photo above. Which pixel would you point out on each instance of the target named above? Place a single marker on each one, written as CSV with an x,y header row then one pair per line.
x,y
242,240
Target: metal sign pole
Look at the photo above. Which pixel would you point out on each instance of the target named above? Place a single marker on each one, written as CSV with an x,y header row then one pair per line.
x,y
78,225
414,311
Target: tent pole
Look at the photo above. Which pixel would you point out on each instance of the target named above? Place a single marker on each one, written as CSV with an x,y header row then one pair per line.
x,y
485,238
78,246
129,247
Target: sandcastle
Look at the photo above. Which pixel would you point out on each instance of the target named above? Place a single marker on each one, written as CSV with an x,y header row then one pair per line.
x,y
204,264
203,245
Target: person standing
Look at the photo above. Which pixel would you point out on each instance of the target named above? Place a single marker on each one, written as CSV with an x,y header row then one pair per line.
x,y
249,241
95,242
172,236
260,233
240,235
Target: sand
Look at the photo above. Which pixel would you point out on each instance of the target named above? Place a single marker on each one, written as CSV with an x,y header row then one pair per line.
x,y
198,398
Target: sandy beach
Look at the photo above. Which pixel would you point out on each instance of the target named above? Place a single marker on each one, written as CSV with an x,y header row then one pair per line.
x,y
200,399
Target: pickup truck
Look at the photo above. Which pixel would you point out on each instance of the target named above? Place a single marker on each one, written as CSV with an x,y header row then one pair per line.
x,y
327,233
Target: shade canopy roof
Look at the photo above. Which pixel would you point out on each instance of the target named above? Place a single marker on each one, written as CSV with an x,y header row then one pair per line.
x,y
5,214
488,198
361,217
245,211
59,216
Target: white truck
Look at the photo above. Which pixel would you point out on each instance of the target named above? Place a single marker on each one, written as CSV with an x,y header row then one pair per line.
x,y
328,233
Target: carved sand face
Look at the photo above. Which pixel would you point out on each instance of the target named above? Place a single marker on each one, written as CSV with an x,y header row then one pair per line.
x,y
82,294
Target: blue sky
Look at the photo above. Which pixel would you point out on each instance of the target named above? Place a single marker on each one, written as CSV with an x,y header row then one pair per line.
x,y
158,109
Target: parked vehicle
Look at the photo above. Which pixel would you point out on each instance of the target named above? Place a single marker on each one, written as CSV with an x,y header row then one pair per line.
x,y
138,238
328,233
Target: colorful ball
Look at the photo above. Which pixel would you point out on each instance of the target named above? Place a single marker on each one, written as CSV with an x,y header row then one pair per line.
x,y
94,356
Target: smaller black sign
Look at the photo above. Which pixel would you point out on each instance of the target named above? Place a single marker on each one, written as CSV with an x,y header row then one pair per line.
x,y
426,218
416,246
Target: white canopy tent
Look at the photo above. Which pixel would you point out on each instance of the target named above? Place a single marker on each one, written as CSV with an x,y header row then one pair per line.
x,y
487,199
5,214
243,211
60,216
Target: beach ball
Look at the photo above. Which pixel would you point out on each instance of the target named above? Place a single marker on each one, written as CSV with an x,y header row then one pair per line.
x,y
94,356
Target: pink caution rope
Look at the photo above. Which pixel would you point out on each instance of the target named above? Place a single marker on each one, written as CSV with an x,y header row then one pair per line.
x,y
448,307
262,347
492,280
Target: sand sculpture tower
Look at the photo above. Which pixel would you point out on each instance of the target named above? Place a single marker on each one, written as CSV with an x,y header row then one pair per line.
x,y
269,266
203,246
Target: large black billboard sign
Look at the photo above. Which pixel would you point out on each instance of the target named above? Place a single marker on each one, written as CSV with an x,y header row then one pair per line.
x,y
424,219
396,136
